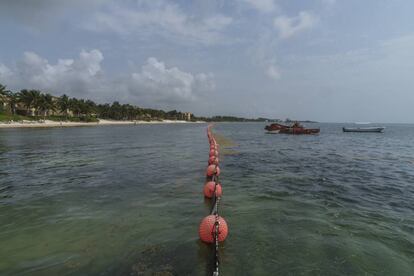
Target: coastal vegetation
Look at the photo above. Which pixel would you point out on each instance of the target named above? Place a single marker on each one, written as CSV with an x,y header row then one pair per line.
x,y
241,119
31,104
34,105
232,119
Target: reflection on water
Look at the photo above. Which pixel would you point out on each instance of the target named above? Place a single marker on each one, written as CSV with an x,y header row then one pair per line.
x,y
126,200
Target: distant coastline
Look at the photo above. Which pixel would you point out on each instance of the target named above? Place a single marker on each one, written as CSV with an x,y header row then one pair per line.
x,y
33,108
241,119
100,122
104,122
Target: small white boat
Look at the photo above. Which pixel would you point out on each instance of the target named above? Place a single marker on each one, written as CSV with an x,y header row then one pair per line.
x,y
363,129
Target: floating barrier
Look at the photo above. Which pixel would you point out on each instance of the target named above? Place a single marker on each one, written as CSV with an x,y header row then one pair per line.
x,y
210,188
213,228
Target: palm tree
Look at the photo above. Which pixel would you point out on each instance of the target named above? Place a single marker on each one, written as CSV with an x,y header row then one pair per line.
x,y
131,112
45,104
115,112
30,99
74,105
4,95
3,89
64,105
103,111
13,101
83,108
90,107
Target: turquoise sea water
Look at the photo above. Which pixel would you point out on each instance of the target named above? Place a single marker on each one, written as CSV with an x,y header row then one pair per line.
x,y
127,200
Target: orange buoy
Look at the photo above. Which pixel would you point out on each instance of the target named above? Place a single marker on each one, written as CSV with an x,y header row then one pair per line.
x,y
209,189
213,160
207,229
213,170
213,146
213,153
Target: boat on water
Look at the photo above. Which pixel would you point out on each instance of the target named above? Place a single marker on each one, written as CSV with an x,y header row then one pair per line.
x,y
296,128
275,128
363,129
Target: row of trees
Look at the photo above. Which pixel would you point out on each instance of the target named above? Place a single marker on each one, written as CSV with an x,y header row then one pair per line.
x,y
37,103
232,119
42,104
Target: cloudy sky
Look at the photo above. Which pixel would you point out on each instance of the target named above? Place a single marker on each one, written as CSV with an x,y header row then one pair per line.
x,y
326,60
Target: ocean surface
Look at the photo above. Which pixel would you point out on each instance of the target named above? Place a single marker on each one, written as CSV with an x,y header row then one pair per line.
x,y
127,200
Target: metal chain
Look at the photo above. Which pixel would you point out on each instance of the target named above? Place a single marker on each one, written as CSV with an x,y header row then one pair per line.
x,y
215,212
216,255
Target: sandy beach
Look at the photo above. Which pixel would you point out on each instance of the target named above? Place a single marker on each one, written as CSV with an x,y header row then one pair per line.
x,y
48,123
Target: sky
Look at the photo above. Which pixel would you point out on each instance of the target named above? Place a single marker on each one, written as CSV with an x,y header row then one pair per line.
x,y
324,60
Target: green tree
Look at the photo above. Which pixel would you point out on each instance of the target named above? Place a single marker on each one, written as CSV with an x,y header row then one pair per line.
x,y
131,112
63,105
45,104
103,111
173,114
4,95
115,111
75,106
30,99
83,109
38,103
90,107
12,103
86,108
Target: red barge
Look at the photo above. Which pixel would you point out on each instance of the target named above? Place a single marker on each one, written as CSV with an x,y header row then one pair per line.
x,y
296,128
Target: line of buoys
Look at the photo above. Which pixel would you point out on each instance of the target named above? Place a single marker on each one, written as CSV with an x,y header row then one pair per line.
x,y
213,228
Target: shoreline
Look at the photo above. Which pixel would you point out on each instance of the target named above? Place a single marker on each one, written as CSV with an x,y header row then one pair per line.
x,y
48,123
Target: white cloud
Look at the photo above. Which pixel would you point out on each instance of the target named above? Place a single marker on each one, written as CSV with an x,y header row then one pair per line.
x,y
273,72
72,76
5,73
263,5
159,18
290,26
264,55
158,84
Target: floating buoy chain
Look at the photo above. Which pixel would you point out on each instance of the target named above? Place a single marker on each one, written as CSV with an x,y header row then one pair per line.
x,y
213,228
